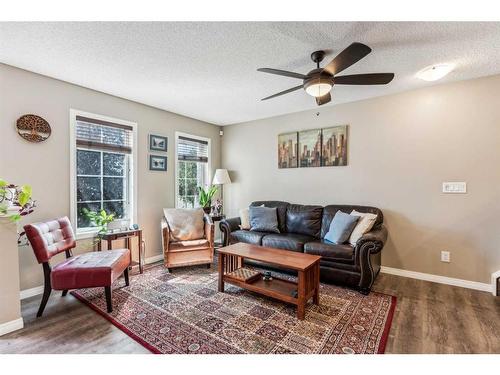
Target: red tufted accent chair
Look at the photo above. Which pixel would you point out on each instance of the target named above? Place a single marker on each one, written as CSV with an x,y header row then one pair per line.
x,y
88,270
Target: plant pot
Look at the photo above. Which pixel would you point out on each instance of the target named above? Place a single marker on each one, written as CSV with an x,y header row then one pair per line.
x,y
207,210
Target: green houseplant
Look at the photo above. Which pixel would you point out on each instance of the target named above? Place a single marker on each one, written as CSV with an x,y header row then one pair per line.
x,y
15,201
100,219
205,197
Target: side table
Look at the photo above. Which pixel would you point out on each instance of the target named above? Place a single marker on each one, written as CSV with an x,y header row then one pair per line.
x,y
126,235
216,218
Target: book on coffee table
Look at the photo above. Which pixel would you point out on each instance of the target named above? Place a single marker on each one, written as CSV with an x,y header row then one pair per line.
x,y
243,274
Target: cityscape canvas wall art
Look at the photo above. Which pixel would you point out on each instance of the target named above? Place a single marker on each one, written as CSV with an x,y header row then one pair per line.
x,y
334,146
313,148
287,150
310,148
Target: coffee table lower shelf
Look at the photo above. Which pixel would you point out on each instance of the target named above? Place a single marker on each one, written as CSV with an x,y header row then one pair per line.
x,y
280,289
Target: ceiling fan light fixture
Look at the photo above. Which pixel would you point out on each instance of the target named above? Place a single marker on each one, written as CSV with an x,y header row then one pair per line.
x,y
435,72
319,88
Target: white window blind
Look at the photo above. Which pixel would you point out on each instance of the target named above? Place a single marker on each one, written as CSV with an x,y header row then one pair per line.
x,y
103,135
189,149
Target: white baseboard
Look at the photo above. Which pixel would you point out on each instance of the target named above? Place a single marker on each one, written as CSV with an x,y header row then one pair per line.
x,y
27,293
11,326
494,277
437,279
154,259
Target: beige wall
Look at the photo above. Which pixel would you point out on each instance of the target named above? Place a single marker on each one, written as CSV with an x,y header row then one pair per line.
x,y
10,308
401,148
46,167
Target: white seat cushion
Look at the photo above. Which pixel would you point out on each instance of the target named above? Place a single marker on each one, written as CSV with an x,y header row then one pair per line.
x,y
185,223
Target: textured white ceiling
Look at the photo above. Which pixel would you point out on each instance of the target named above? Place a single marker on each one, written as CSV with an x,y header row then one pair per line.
x,y
208,70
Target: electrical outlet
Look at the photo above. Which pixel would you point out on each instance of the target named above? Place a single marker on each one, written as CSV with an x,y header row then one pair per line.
x,y
445,256
454,187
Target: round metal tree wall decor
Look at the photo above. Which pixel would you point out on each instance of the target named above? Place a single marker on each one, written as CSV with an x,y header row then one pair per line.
x,y
33,128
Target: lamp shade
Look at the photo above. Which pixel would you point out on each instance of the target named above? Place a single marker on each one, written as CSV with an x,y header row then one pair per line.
x,y
221,177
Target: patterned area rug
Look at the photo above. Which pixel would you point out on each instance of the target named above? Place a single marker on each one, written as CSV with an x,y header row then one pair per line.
x,y
182,312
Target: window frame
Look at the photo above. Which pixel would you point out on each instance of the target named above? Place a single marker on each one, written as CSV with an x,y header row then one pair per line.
x,y
73,113
176,161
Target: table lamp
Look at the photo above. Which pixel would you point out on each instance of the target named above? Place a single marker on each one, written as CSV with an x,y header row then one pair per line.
x,y
221,177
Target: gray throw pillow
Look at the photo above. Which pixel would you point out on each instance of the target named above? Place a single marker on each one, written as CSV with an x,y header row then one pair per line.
x,y
263,219
341,227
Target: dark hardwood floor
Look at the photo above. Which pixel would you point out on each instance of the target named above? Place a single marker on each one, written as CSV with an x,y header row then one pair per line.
x,y
429,318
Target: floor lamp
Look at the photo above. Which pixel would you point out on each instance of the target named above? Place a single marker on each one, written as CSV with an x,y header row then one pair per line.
x,y
221,177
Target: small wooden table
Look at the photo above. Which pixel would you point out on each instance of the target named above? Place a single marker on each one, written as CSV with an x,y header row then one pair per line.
x,y
124,235
307,265
216,218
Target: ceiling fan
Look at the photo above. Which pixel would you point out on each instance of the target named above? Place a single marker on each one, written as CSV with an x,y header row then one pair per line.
x,y
319,82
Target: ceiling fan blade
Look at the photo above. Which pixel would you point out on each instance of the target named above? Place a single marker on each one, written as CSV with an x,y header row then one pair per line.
x,y
282,73
284,92
347,57
320,100
364,79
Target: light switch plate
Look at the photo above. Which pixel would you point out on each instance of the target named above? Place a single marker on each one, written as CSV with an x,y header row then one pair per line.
x,y
455,187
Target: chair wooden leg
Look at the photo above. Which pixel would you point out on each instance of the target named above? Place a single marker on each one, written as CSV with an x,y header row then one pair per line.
x,y
125,275
45,298
107,291
64,292
46,289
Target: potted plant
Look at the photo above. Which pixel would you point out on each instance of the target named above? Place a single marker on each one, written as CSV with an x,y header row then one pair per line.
x,y
15,201
100,219
205,197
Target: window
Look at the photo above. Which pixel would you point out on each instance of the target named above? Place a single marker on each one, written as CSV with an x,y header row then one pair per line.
x,y
192,168
102,168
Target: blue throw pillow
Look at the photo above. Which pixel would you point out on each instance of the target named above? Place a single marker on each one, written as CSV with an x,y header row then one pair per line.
x,y
263,219
341,227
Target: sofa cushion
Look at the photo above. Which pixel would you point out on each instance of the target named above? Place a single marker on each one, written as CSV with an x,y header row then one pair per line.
x,y
185,223
341,227
364,225
330,252
252,237
287,241
245,219
263,219
281,208
330,211
304,219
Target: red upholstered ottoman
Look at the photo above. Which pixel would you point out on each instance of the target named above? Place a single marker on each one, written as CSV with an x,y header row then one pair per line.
x,y
89,270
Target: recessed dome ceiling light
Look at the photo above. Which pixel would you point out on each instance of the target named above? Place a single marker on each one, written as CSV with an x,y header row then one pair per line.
x,y
435,72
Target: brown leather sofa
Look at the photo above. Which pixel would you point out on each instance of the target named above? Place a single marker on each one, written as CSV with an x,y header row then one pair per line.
x,y
302,229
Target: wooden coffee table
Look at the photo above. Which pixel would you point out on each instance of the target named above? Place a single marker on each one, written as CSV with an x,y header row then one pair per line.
x,y
231,258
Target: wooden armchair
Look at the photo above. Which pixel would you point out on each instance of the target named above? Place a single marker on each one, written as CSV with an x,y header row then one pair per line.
x,y
191,252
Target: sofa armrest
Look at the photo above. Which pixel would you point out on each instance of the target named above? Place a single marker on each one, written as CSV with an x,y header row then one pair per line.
x,y
370,243
227,226
209,230
165,234
376,236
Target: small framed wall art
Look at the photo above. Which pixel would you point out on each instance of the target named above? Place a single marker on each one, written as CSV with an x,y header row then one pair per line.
x,y
158,143
157,163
